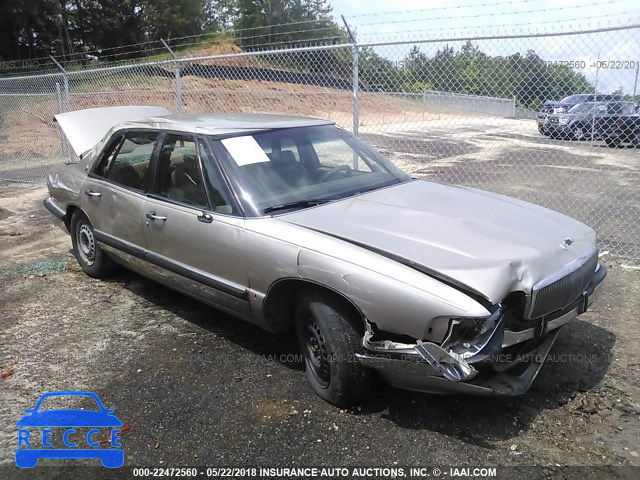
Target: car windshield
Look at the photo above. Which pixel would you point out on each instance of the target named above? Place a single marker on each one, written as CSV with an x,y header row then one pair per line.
x,y
574,99
581,108
294,168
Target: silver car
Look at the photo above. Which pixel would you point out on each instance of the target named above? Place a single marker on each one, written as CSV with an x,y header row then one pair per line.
x,y
296,225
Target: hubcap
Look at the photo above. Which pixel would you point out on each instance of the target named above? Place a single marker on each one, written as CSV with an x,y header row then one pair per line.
x,y
578,133
317,354
86,244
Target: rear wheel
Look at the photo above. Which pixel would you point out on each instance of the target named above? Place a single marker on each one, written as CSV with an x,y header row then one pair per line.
x,y
329,335
92,259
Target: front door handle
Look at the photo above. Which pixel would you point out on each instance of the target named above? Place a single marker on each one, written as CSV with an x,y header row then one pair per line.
x,y
91,193
153,216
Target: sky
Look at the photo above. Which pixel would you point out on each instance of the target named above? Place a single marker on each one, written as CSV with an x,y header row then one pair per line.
x,y
414,20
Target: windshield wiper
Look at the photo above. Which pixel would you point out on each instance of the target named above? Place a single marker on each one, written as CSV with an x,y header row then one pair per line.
x,y
297,204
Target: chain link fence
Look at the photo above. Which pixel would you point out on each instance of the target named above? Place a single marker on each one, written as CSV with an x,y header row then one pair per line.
x,y
490,112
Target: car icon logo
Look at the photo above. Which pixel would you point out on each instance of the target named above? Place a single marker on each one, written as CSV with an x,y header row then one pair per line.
x,y
28,452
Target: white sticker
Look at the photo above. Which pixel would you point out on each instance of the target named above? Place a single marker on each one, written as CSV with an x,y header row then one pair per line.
x,y
244,150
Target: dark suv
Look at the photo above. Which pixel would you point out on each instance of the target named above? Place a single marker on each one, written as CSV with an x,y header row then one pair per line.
x,y
583,121
551,106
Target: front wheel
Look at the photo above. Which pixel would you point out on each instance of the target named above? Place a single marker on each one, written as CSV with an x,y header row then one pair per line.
x,y
91,258
329,335
612,142
578,133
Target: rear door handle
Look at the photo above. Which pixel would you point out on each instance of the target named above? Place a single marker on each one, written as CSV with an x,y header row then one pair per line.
x,y
153,216
91,193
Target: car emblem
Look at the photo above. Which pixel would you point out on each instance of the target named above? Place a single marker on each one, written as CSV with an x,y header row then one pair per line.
x,y
566,242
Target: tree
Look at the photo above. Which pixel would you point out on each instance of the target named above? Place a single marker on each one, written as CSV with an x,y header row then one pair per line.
x,y
174,18
29,28
285,22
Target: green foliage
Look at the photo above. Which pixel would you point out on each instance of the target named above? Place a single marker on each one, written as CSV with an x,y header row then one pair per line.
x,y
469,70
36,28
260,22
28,28
174,18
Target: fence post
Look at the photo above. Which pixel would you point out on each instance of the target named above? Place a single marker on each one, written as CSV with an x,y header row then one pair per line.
x,y
63,145
593,116
355,79
65,82
177,76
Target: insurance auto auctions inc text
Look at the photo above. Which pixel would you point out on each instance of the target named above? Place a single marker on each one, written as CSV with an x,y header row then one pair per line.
x,y
369,472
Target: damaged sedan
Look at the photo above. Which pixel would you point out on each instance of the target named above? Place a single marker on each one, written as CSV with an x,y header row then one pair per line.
x,y
296,225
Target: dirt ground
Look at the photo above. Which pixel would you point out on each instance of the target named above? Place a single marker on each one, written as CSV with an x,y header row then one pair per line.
x,y
198,387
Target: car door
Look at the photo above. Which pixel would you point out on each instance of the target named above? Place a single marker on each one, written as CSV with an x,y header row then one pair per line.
x,y
114,192
192,228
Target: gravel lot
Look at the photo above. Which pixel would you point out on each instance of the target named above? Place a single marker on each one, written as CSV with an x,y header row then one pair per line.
x,y
198,387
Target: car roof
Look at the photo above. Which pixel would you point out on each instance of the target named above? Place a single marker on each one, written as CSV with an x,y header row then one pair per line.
x,y
222,123
88,128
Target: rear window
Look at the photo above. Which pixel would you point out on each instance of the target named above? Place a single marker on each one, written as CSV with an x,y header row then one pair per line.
x,y
129,164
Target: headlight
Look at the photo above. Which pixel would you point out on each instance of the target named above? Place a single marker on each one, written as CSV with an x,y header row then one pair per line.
x,y
464,334
564,120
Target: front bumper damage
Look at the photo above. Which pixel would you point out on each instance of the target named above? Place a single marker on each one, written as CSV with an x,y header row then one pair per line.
x,y
497,362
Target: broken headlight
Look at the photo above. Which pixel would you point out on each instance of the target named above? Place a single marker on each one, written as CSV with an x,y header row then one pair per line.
x,y
469,336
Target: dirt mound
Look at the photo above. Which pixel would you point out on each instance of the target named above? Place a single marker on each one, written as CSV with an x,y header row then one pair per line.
x,y
222,48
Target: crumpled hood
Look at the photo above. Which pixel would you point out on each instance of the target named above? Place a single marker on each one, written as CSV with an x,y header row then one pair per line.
x,y
488,242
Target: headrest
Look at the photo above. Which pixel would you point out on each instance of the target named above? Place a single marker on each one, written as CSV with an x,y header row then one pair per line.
x,y
286,156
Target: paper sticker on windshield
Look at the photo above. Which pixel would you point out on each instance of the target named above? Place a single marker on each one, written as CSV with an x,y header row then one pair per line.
x,y
244,150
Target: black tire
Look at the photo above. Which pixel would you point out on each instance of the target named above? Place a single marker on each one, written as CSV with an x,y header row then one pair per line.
x,y
91,258
578,133
612,142
329,335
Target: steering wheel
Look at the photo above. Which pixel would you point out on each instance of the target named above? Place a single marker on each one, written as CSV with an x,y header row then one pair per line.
x,y
344,170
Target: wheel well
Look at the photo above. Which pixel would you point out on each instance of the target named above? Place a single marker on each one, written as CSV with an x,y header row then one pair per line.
x,y
71,209
280,302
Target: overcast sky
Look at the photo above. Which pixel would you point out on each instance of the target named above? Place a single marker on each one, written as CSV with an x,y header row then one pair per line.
x,y
411,20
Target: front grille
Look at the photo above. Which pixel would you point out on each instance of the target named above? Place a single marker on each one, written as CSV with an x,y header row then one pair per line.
x,y
564,291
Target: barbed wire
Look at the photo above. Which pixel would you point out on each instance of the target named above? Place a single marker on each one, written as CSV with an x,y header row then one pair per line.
x,y
221,33
446,8
492,27
131,53
496,14
100,53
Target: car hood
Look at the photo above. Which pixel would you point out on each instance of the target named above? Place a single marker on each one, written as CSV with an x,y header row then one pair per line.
x,y
489,243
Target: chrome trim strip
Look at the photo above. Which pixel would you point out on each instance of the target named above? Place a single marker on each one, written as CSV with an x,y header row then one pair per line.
x,y
512,338
191,273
